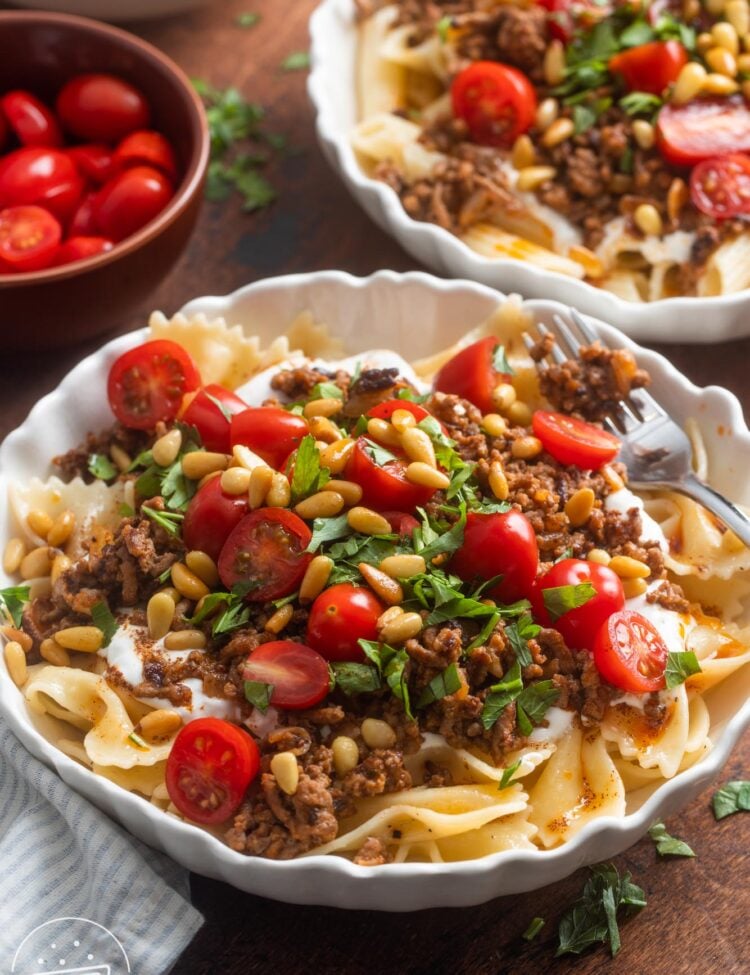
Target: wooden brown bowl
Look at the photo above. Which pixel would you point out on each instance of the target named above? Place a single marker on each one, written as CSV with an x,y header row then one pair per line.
x,y
61,306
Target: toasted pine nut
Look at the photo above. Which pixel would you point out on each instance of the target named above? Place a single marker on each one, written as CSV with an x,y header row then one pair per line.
x,y
204,567
519,413
420,473
323,504
532,177
677,197
15,661
634,587
560,130
627,568
329,406
554,63
715,7
418,446
403,566
377,733
242,456
494,425
587,259
388,589
53,653
39,522
526,447
17,636
600,556
172,593
704,42
644,133
403,420
648,220
37,563
725,35
403,628
498,481
523,153
286,772
198,463
349,491
388,616
279,494
689,83
121,458
323,429
345,754
280,619
315,578
722,61
62,529
60,564
503,396
579,506
160,724
166,448
82,639
737,13
613,479
691,10
719,84
368,522
546,113
187,582
335,457
384,432
159,615
185,640
13,555
260,483
235,480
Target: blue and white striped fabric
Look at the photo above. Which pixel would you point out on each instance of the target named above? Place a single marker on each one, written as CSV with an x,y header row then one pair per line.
x,y
60,857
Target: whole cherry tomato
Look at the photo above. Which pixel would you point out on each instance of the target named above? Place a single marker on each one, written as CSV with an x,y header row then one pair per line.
x,y
30,119
79,248
211,516
499,544
386,409
384,486
339,617
574,442
83,222
721,187
95,162
102,108
650,67
130,200
703,128
266,550
40,177
471,374
3,131
298,673
630,653
147,148
29,238
210,411
147,383
270,432
497,102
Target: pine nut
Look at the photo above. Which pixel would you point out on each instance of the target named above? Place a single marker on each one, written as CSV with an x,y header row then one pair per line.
x,y
392,613
494,425
704,42
719,59
523,153
737,13
384,432
677,197
526,447
204,567
403,628
328,406
559,131
243,457
644,133
613,479
159,615
349,491
627,568
53,653
743,64
689,83
235,480
260,484
199,463
420,473
160,724
172,593
315,578
345,754
185,640
336,456
587,259
323,504
648,220
61,564
719,84
368,522
187,583
286,772
634,587
82,639
62,529
37,563
498,481
519,413
388,589
725,36
531,177
280,619
715,7
418,446
15,661
691,10
579,506
546,113
166,448
39,522
280,493
554,63
403,420
403,566
122,459
17,636
323,429
377,733
15,550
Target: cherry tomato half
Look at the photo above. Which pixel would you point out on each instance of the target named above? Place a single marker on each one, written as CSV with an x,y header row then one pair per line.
x,y
29,238
267,550
401,524
147,148
79,248
211,516
30,119
270,432
210,766
499,544
102,108
703,128
210,411
339,617
721,187
384,486
298,673
41,177
471,374
650,67
94,161
629,653
385,410
147,383
580,626
130,200
497,102
572,441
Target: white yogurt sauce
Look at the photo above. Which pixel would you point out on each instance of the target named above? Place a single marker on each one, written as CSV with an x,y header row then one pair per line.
x,y
558,723
623,501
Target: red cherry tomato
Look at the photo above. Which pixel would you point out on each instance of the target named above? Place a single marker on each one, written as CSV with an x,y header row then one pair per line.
x,y
630,653
299,674
29,238
79,248
499,544
207,412
3,130
267,550
210,518
130,200
30,119
384,487
567,16
102,108
147,383
401,523
580,626
40,177
341,616
471,374
703,128
147,148
650,67
384,411
210,766
497,102
721,187
94,162
270,432
572,441
83,222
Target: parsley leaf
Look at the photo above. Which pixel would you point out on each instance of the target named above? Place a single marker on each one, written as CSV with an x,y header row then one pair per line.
x,y
309,477
561,599
380,455
500,361
640,103
326,391
461,607
258,694
442,27
297,61
533,703
484,634
354,678
391,665
519,633
667,845
103,619
101,467
448,542
445,683
168,520
533,929
731,798
593,917
680,665
639,32
247,19
328,530
234,613
443,444
501,695
13,599
508,773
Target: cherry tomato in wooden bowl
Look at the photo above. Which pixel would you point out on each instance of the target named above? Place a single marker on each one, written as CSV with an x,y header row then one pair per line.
x,y
721,187
471,374
30,119
650,67
102,108
211,516
574,442
210,766
499,544
146,148
83,222
267,551
40,177
94,161
270,432
339,618
29,238
298,674
630,653
79,248
147,383
497,102
130,200
210,411
384,485
703,128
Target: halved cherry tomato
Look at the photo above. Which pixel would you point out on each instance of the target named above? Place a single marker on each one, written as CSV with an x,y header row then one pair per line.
x,y
630,653
497,102
210,518
384,486
94,162
471,374
267,549
147,148
102,108
210,766
401,523
30,119
567,16
130,200
703,128
499,544
339,617
298,673
79,248
572,441
83,222
721,187
270,432
147,383
41,177
29,238
650,67
210,411
579,626
385,410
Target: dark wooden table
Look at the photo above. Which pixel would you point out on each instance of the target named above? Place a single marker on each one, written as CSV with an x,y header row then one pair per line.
x,y
696,922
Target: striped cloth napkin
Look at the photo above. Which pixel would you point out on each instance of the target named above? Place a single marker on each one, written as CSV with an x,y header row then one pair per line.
x,y
61,858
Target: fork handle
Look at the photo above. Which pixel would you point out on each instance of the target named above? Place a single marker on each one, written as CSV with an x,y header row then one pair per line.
x,y
718,505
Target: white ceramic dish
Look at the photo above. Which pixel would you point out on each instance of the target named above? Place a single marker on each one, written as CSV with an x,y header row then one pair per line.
x,y
332,91
366,313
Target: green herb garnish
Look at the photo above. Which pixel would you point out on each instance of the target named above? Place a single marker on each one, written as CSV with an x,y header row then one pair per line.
x,y
297,61
561,599
533,929
391,665
14,598
247,19
258,694
501,695
354,678
731,798
309,477
446,683
508,773
101,467
666,845
103,619
680,666
168,520
593,917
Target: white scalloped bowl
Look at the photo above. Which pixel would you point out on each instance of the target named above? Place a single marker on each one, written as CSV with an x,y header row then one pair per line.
x,y
379,311
331,89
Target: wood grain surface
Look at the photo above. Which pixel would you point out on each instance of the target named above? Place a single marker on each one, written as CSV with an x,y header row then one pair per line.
x,y
696,922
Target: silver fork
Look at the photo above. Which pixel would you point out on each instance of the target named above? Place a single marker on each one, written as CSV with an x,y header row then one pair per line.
x,y
655,450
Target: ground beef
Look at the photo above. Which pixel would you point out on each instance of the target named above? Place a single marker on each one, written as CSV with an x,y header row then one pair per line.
x,y
670,596
437,776
372,853
297,383
522,39
381,772
75,463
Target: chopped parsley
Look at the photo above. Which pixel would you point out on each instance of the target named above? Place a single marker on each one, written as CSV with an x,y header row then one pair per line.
x,y
168,520
508,773
533,929
559,600
731,798
354,678
103,619
500,361
640,103
444,684
501,695
297,61
101,467
533,703
391,665
519,633
378,454
258,694
325,391
309,477
666,845
593,917
247,19
442,27
680,665
13,599
328,530
229,607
